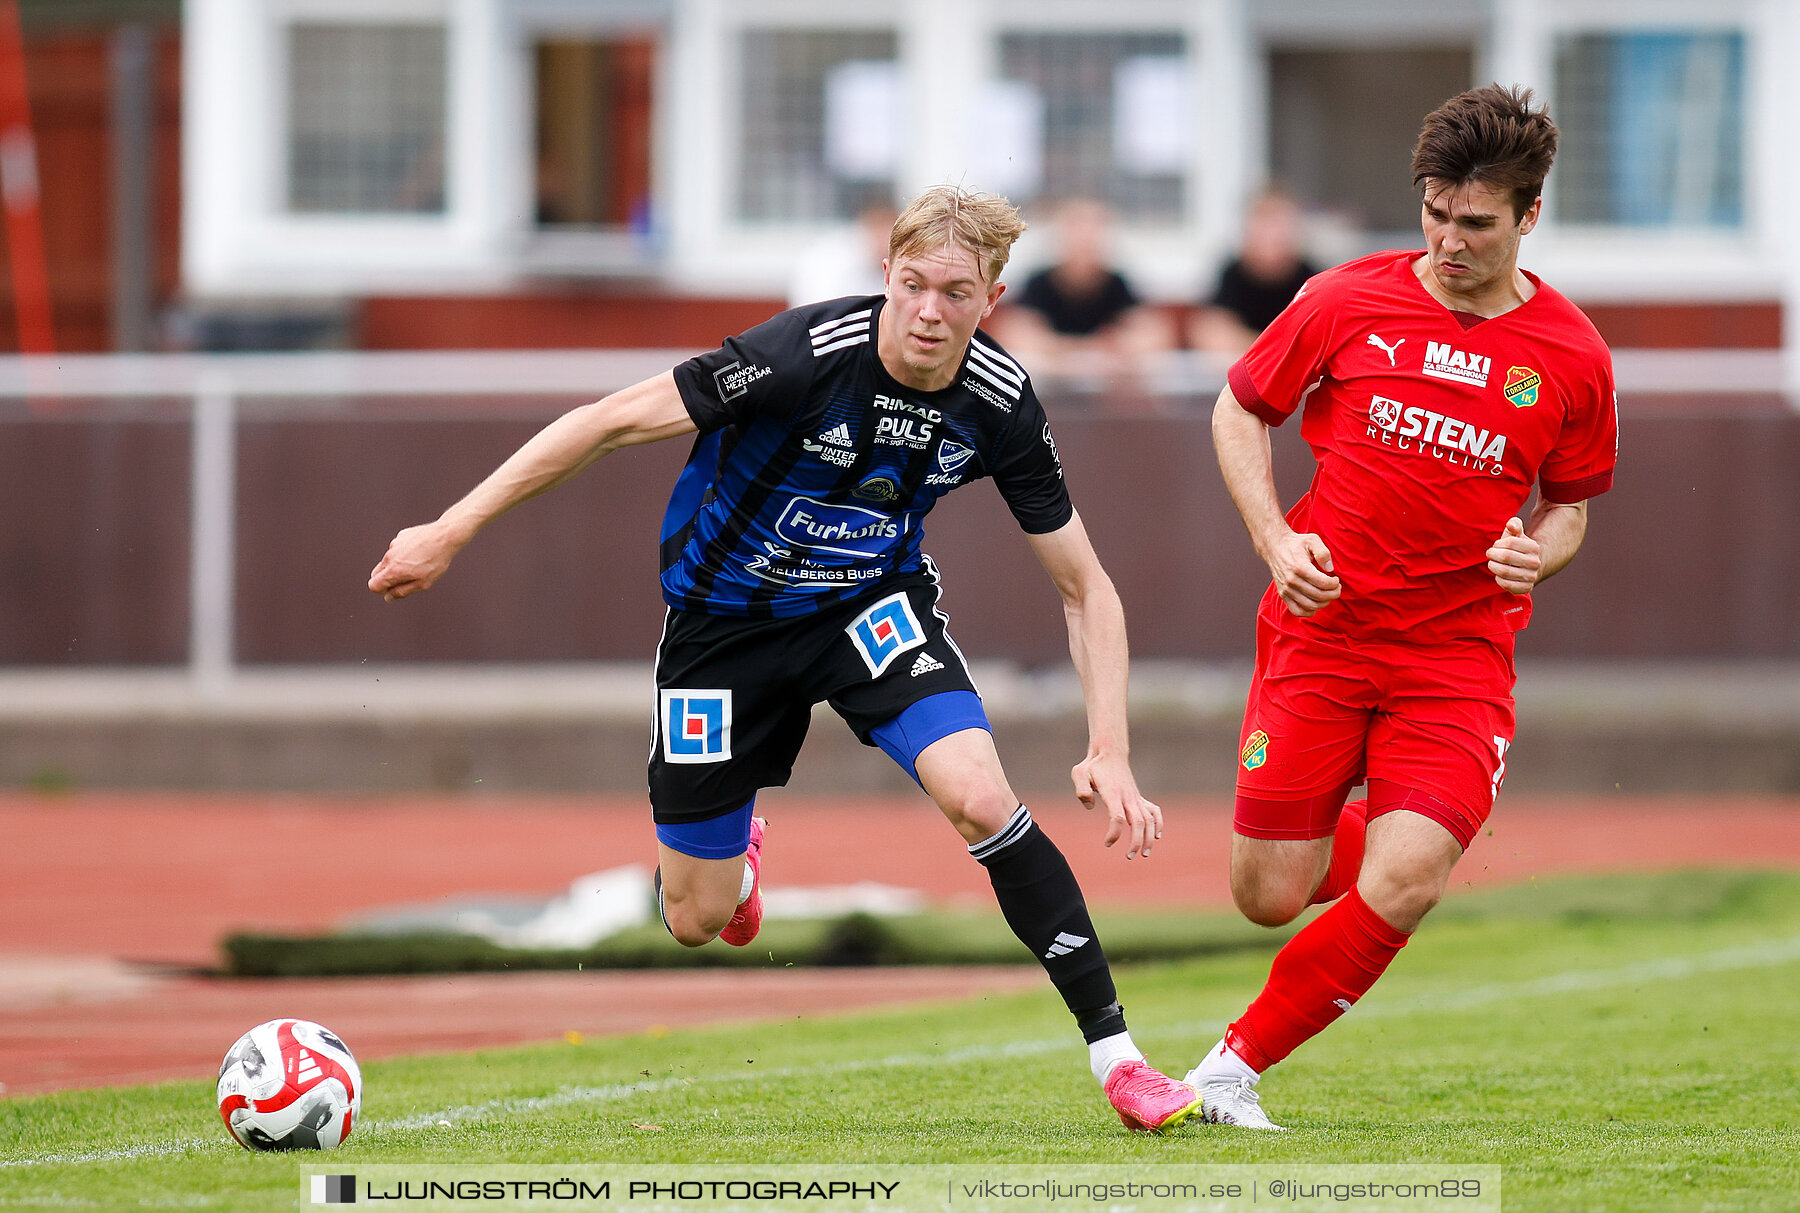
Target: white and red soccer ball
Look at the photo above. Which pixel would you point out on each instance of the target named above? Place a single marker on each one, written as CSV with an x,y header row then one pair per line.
x,y
289,1084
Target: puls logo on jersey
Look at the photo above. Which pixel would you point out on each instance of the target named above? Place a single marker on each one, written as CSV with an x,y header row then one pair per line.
x,y
1409,427
908,432
1443,362
884,631
696,725
845,530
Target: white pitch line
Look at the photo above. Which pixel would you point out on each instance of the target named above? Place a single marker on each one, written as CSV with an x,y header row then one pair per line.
x,y
1766,955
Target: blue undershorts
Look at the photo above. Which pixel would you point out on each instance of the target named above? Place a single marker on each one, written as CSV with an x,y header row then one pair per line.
x,y
903,739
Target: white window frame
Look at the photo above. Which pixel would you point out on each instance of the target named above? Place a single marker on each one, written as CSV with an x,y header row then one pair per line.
x,y
577,251
1616,262
947,49
711,250
1163,260
240,238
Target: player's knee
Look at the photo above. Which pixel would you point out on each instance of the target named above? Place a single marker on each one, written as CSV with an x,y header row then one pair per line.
x,y
1267,905
692,923
978,808
1400,899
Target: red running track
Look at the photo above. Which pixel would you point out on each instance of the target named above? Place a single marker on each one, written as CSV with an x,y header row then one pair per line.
x,y
89,881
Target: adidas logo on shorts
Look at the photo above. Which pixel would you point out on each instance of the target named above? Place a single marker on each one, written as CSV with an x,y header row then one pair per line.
x,y
1064,944
926,664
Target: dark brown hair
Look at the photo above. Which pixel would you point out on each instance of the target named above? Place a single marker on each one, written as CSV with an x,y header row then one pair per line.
x,y
1492,135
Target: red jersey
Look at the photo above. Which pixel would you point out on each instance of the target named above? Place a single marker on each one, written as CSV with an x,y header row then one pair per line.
x,y
1430,428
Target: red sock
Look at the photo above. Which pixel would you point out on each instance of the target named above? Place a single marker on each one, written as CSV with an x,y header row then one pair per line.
x,y
1315,978
1346,853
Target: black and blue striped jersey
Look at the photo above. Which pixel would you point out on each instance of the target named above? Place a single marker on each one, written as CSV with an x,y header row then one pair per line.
x,y
814,468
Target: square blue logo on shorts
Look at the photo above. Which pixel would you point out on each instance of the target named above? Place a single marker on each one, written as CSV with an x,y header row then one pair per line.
x,y
696,726
885,631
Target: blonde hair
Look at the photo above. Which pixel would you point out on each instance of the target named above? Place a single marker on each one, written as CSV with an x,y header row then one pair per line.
x,y
985,224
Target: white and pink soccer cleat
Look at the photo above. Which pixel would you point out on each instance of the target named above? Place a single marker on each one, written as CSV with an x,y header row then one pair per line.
x,y
1148,1100
748,920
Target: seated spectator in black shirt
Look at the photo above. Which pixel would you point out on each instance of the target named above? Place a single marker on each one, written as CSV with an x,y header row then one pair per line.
x,y
1079,318
1257,284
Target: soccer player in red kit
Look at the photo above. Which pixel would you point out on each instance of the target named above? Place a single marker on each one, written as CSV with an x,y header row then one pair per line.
x,y
1438,388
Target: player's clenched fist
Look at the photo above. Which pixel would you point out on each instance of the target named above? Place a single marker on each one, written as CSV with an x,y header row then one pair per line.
x,y
416,558
1516,560
1300,565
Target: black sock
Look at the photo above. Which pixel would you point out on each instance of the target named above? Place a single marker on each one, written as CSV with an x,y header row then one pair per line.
x,y
1043,905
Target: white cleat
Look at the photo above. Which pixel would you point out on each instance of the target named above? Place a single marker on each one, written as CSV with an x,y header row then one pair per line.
x,y
1232,1101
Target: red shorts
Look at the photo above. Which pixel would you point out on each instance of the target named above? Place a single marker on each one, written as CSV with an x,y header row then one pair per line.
x,y
1325,712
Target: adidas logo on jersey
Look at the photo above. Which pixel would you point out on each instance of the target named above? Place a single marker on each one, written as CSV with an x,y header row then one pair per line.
x,y
835,445
1443,362
1065,943
926,664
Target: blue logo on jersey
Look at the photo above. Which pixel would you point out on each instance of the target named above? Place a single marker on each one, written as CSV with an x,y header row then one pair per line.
x,y
952,455
846,530
696,726
885,631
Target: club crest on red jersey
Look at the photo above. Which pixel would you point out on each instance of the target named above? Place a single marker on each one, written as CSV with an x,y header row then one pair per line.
x,y
1256,750
1522,385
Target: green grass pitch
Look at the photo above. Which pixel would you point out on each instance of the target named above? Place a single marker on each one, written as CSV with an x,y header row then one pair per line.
x,y
1620,1043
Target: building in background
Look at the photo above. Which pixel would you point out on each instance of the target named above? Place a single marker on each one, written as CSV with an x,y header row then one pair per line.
x,y
639,174
104,159
431,173
437,149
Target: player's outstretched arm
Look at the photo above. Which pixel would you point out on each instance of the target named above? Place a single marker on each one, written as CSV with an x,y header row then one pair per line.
x,y
644,412
1097,644
1299,564
1527,554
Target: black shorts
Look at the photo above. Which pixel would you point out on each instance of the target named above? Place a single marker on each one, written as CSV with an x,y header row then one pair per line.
x,y
734,696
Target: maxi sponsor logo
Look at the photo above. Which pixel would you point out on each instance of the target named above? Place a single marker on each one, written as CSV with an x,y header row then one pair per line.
x,y
1443,362
1409,427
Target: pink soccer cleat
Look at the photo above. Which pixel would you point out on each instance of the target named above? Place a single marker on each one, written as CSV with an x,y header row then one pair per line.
x,y
1147,1100
748,920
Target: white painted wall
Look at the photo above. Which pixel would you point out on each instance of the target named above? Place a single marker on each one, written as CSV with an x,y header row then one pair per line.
x,y
239,241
